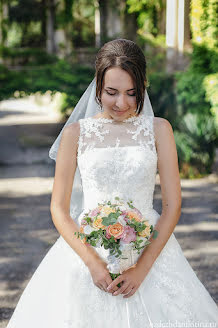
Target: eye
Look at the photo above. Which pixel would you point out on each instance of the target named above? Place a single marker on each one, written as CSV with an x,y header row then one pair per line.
x,y
111,94
132,95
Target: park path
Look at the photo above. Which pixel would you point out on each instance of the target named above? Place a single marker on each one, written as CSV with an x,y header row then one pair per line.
x,y
27,231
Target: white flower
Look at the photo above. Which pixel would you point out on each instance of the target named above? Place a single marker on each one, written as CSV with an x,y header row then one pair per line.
x,y
98,244
88,229
121,220
122,208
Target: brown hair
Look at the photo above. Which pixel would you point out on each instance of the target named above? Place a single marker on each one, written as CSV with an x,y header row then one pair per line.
x,y
127,55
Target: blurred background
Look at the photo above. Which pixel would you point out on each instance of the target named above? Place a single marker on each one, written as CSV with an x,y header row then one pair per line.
x,y
47,55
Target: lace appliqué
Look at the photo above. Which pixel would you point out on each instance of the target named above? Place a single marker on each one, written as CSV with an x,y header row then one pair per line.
x,y
144,125
94,130
87,127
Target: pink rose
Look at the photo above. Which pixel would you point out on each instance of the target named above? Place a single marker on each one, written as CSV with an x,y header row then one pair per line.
x,y
129,234
138,212
124,213
94,212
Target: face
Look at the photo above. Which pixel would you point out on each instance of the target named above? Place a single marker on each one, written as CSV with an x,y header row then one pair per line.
x,y
118,95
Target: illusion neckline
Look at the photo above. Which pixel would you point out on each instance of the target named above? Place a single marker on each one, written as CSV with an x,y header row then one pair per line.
x,y
111,120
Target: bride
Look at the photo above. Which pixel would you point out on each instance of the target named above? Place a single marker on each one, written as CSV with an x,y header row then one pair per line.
x,y
111,146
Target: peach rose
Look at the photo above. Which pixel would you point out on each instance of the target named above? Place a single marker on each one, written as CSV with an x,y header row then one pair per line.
x,y
97,224
107,210
145,232
116,230
132,215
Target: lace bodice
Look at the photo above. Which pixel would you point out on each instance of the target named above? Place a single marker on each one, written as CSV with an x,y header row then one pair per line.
x,y
117,159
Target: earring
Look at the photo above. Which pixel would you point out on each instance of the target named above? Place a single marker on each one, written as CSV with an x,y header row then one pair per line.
x,y
100,107
137,109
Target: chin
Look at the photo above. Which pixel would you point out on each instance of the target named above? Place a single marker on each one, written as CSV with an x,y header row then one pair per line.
x,y
120,115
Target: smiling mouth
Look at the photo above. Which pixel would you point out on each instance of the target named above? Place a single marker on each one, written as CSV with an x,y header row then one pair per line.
x,y
119,111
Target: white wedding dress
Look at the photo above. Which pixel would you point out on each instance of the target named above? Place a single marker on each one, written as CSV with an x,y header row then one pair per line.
x,y
115,159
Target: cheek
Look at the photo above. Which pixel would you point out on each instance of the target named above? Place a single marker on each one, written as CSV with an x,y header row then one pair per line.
x,y
132,101
107,100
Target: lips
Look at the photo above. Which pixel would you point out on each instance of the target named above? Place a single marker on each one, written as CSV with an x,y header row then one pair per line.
x,y
119,111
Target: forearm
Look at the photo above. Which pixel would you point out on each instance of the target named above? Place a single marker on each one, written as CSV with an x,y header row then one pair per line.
x,y
165,227
66,226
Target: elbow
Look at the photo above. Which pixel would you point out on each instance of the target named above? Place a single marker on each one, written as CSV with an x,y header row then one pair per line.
x,y
52,211
172,210
52,207
58,211
178,210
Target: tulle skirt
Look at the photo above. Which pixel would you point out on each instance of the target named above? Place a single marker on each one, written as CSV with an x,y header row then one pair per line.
x,y
61,294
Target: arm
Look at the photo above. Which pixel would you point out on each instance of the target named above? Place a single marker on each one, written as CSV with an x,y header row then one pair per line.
x,y
170,191
66,164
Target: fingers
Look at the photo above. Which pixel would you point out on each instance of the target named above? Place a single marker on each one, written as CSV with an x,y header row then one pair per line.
x,y
115,282
109,281
131,292
124,289
104,286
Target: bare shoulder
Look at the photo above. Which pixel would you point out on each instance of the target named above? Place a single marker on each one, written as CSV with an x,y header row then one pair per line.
x,y
162,128
72,130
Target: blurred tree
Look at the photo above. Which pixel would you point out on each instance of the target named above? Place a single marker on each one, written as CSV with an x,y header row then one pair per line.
x,y
83,27
3,21
204,18
19,11
151,15
63,35
50,27
116,20
129,21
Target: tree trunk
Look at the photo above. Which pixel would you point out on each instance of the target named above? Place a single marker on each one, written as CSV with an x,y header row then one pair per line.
x,y
97,25
103,21
113,22
162,19
63,33
50,27
43,22
3,22
129,23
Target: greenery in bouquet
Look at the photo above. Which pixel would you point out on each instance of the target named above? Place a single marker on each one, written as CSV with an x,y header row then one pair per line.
x,y
112,224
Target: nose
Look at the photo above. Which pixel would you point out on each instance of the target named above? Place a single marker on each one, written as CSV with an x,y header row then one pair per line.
x,y
121,102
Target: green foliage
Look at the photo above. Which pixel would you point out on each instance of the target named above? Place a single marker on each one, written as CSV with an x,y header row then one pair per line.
x,y
19,11
83,23
161,93
196,90
26,56
149,14
190,92
195,142
210,84
203,59
8,80
71,80
203,18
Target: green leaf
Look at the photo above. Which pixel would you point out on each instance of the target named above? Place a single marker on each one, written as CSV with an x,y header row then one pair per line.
x,y
155,234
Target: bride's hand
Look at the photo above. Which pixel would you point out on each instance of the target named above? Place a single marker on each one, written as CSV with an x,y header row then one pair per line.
x,y
130,281
101,276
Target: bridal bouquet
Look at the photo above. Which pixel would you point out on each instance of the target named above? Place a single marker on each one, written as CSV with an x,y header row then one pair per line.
x,y
117,230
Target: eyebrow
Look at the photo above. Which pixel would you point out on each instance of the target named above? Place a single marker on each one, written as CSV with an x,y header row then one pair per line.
x,y
117,90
